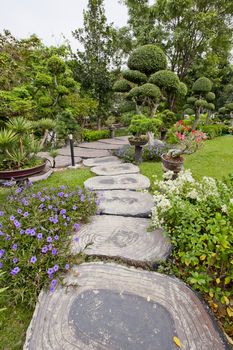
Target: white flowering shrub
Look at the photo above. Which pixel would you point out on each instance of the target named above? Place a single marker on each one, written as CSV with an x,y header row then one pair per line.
x,y
198,216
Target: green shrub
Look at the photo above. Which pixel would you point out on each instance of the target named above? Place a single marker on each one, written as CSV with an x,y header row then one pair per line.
x,y
121,86
95,135
214,130
36,231
126,118
165,79
147,59
198,217
135,76
202,84
140,125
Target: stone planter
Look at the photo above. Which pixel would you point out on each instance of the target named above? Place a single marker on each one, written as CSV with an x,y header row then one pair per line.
x,y
22,173
175,164
138,142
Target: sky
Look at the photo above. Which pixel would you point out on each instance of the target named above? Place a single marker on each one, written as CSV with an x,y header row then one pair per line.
x,y
51,19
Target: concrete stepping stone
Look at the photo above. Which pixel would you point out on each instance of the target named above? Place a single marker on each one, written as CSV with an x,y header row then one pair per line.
x,y
126,203
116,169
84,152
118,182
61,161
115,141
124,138
42,176
113,307
101,161
122,237
99,145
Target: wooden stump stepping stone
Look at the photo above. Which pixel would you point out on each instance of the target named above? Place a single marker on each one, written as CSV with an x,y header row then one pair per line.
x,y
122,237
60,161
116,169
101,161
99,145
113,307
126,203
84,152
118,182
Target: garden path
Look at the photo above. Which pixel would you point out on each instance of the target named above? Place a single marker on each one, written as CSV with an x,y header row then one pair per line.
x,y
115,303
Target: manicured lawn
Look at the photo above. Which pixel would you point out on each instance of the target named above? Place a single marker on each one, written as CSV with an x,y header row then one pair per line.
x,y
215,159
14,321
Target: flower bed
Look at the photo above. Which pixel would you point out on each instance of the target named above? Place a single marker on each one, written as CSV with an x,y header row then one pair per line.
x,y
36,229
198,216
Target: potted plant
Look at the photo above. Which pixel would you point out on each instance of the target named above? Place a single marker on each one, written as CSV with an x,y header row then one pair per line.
x,y
18,150
140,127
189,141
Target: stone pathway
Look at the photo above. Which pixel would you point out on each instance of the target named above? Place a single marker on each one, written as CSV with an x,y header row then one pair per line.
x,y
109,306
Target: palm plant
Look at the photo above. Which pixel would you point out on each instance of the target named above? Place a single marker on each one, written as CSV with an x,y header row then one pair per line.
x,y
21,127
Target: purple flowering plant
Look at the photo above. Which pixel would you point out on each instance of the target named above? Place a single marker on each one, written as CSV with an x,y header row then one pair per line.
x,y
35,248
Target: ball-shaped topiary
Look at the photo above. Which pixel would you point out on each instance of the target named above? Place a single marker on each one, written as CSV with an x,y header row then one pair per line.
x,y
189,111
62,90
182,89
165,79
222,110
56,65
201,103
229,107
69,82
210,107
134,92
147,59
134,76
43,80
191,100
121,86
150,90
202,85
210,96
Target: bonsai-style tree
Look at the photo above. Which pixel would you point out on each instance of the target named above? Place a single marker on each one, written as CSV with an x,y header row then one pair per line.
x,y
147,81
201,100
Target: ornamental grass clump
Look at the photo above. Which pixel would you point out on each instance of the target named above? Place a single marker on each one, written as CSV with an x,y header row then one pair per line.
x,y
36,230
198,216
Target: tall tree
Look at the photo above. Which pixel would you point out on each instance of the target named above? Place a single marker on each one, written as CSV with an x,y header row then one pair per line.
x,y
186,29
92,63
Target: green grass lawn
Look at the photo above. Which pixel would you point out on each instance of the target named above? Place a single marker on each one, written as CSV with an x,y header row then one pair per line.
x,y
215,159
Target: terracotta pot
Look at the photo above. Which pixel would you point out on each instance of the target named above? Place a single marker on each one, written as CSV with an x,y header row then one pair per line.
x,y
174,164
22,173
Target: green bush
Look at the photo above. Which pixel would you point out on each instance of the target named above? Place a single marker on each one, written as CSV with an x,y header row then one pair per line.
x,y
198,217
95,135
202,84
36,231
135,76
165,79
140,125
214,130
147,59
121,86
126,118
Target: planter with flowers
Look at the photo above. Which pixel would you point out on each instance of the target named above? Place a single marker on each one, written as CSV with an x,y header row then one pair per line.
x,y
189,141
140,127
18,150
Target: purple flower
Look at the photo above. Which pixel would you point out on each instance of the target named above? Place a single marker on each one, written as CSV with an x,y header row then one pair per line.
x,y
50,246
8,183
52,289
28,231
56,238
67,266
17,224
82,198
44,249
1,213
62,187
76,239
51,219
19,211
55,221
80,192
74,207
1,233
98,202
51,276
50,206
1,265
33,232
15,260
15,271
21,232
2,251
63,211
39,193
8,238
41,206
26,214
25,202
33,195
14,246
64,216
18,190
42,199
54,251
12,218
76,227
39,236
55,268
60,194
33,259
53,283
49,239
50,271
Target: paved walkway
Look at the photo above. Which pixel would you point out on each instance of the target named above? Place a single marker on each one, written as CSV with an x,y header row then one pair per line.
x,y
116,303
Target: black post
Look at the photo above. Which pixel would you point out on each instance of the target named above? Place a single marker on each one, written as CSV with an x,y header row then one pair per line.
x,y
72,150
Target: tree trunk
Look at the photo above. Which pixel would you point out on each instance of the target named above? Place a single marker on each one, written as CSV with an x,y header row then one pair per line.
x,y
197,118
151,138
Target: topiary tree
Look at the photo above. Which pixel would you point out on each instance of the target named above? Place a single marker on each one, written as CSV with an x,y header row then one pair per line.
x,y
121,85
147,70
200,101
